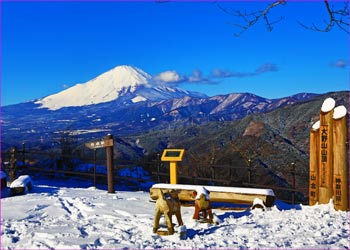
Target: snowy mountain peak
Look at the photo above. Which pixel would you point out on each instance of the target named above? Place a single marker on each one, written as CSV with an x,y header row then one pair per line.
x,y
124,76
122,81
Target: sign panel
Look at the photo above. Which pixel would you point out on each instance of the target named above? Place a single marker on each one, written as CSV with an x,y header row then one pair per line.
x,y
324,176
172,155
99,144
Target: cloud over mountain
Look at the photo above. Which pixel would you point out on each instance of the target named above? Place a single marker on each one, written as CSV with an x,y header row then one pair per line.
x,y
175,78
262,69
123,83
170,76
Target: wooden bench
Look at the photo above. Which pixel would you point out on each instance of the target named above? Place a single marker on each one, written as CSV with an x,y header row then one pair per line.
x,y
234,195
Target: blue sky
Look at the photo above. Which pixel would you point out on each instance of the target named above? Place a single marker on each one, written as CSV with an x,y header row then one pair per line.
x,y
49,46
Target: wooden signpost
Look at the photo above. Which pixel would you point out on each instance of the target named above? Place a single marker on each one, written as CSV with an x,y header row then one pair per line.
x,y
314,160
340,176
107,143
328,157
325,151
100,143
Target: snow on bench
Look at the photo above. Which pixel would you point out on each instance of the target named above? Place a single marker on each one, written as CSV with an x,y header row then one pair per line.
x,y
21,185
218,193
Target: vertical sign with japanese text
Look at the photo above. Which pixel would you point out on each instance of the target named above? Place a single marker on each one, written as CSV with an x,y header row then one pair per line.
x,y
314,165
324,151
338,189
340,159
329,156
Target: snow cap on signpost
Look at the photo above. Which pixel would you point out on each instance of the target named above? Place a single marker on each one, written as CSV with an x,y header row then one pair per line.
x,y
328,105
328,157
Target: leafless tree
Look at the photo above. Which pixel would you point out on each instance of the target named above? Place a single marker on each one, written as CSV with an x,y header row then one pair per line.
x,y
336,17
249,19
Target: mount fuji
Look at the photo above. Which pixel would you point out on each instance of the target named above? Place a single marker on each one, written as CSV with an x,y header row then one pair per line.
x,y
124,101
124,83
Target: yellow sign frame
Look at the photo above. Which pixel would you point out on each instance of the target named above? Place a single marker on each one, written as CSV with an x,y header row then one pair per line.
x,y
172,154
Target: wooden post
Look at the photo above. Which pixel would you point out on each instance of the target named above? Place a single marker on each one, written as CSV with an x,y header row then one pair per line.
x,y
293,183
110,177
340,175
13,164
326,151
249,171
314,163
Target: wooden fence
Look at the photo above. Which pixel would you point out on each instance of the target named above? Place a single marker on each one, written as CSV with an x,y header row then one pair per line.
x,y
24,161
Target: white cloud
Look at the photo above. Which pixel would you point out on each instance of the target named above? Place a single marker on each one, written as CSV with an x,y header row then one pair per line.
x,y
267,67
262,69
170,76
196,76
339,64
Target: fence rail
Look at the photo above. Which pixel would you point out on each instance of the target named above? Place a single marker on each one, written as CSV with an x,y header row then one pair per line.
x,y
28,161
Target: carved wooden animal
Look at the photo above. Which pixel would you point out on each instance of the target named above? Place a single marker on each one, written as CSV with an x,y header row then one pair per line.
x,y
202,205
167,204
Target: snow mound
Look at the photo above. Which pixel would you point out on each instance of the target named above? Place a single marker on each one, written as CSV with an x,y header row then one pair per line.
x,y
56,217
22,181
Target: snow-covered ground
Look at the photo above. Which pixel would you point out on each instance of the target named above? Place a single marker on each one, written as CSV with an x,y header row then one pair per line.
x,y
57,216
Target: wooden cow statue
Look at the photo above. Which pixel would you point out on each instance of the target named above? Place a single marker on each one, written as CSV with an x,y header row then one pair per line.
x,y
167,204
202,205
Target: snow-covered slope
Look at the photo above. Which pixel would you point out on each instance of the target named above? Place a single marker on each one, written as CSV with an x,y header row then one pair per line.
x,y
122,81
56,217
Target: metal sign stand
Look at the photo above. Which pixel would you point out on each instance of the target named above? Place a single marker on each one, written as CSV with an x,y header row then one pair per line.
x,y
173,156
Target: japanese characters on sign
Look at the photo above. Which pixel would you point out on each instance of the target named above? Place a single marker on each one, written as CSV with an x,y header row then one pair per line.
x,y
99,144
324,173
338,189
313,185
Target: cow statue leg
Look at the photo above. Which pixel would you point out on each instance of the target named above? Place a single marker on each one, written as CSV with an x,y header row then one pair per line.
x,y
179,218
196,211
169,222
156,220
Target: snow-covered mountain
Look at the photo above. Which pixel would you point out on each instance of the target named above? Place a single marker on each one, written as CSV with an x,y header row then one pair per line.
x,y
124,100
126,83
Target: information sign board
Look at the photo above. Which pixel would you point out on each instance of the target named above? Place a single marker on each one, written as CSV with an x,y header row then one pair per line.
x,y
99,144
172,155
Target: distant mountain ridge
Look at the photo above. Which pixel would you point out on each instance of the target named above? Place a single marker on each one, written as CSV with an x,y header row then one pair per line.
x,y
123,101
271,142
145,117
122,82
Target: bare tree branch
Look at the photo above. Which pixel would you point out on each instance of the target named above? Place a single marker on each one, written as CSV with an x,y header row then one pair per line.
x,y
335,17
162,1
250,19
